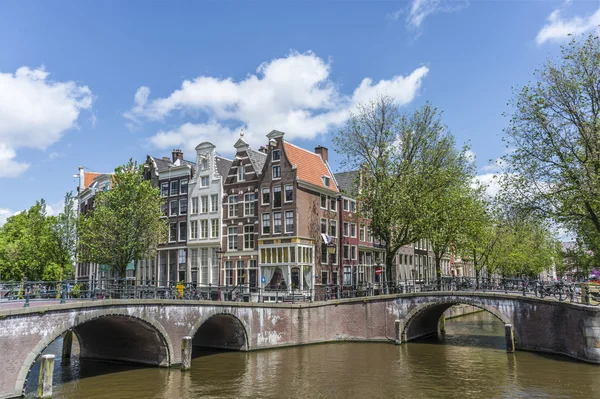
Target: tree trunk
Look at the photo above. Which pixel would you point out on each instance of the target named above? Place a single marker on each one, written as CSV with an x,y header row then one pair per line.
x,y
438,272
389,265
476,269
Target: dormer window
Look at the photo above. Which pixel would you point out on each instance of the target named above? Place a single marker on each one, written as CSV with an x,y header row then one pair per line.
x,y
204,163
276,155
326,180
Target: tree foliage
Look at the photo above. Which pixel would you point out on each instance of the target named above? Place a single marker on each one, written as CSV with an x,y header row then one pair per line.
x,y
125,224
31,245
405,161
554,169
524,247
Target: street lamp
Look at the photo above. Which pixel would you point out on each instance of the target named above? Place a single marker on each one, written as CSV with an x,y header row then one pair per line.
x,y
219,252
331,251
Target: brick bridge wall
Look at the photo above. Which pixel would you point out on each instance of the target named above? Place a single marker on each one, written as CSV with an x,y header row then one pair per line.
x,y
150,331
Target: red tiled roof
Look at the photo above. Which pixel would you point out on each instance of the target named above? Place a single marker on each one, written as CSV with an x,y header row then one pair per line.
x,y
88,178
310,166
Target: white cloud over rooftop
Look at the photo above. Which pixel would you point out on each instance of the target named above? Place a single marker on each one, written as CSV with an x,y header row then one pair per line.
x,y
294,94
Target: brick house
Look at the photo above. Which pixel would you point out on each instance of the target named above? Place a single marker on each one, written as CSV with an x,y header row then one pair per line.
x,y
362,259
89,184
240,217
296,192
172,176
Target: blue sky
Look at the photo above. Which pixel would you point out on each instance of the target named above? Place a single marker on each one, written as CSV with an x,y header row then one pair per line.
x,y
97,83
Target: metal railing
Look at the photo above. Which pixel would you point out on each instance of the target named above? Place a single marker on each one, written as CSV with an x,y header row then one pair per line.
x,y
63,291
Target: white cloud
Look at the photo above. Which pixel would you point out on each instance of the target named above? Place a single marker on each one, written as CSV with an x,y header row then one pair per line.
x,y
294,94
470,155
491,182
559,28
35,112
496,166
5,214
420,10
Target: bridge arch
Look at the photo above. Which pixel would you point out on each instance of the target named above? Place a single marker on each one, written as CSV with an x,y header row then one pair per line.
x,y
423,320
220,330
110,335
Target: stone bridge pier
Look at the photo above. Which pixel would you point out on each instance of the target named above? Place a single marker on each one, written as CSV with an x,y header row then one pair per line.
x,y
151,332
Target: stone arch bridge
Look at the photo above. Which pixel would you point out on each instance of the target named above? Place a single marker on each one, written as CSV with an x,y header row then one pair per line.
x,y
151,331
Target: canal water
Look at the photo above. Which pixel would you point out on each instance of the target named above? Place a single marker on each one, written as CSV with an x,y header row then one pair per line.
x,y
469,362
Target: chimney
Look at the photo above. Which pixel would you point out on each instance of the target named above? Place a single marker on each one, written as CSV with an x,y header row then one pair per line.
x,y
177,154
322,151
263,149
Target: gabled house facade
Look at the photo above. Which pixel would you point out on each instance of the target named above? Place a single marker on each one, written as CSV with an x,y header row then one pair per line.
x,y
205,216
296,192
362,259
172,176
240,217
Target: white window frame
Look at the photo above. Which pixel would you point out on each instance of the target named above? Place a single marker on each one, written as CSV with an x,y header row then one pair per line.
x,y
321,201
229,238
171,187
346,253
179,230
214,228
194,210
262,196
280,222
285,191
203,232
285,222
232,209
171,213
353,252
262,223
353,230
204,204
273,191
204,179
193,229
249,204
333,227
176,231
278,168
278,155
241,176
161,188
214,202
251,240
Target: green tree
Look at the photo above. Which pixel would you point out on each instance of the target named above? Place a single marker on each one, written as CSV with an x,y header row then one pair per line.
x,y
554,132
454,215
27,244
125,224
525,247
64,228
402,159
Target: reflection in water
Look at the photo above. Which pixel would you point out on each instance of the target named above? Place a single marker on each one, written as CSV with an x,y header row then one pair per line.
x,y
470,361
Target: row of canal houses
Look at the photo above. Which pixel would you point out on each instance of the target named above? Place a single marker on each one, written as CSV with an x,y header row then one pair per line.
x,y
273,217
276,218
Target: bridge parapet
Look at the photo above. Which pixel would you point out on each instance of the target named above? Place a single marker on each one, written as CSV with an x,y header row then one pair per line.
x,y
539,324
